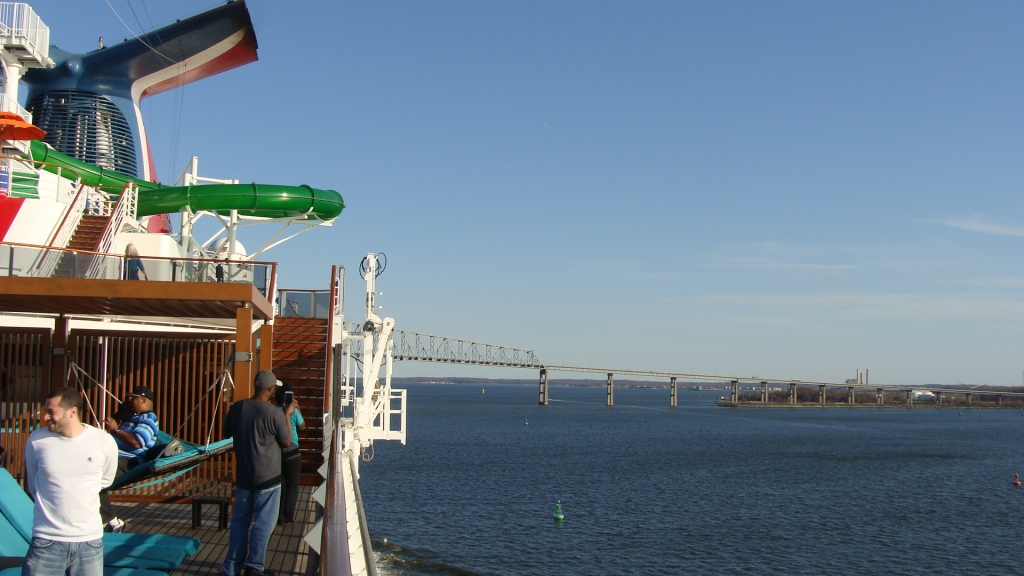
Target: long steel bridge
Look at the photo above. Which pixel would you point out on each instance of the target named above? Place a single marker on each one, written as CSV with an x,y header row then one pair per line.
x,y
415,346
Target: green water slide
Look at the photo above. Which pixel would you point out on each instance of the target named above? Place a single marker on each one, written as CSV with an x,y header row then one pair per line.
x,y
260,200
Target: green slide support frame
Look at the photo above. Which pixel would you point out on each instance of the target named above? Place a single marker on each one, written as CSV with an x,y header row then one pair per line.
x,y
259,200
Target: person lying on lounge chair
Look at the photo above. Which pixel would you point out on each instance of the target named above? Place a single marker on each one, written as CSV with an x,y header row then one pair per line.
x,y
134,437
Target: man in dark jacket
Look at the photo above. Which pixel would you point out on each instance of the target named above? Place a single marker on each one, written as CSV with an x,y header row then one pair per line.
x,y
260,431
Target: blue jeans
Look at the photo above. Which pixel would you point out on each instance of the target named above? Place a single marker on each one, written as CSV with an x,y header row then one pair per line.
x,y
55,558
252,523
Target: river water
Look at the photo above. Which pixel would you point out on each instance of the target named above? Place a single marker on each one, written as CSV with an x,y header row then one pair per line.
x,y
698,489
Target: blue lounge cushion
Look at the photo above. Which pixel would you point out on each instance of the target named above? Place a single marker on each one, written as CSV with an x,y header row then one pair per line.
x,y
125,550
11,542
106,572
15,505
148,557
186,544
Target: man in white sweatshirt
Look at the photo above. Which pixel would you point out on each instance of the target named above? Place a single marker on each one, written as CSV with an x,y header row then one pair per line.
x,y
67,464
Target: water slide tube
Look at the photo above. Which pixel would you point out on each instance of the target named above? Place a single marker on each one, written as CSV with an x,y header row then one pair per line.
x,y
259,200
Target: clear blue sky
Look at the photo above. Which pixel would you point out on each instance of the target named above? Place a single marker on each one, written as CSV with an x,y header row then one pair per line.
x,y
779,189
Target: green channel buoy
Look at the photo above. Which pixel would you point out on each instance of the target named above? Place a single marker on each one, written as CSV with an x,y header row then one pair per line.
x,y
559,517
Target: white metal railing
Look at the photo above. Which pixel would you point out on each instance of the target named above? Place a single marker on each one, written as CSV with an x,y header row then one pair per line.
x,y
389,407
99,203
20,26
8,104
65,230
125,208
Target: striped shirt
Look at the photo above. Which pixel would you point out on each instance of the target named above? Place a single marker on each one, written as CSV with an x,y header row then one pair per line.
x,y
144,426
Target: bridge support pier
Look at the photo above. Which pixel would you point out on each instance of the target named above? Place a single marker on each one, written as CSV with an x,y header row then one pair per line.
x,y
764,392
611,389
999,399
821,394
910,398
851,396
673,398
968,398
735,397
938,398
792,393
543,387
878,396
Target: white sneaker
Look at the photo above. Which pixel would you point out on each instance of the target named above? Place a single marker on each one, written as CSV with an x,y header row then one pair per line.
x,y
115,525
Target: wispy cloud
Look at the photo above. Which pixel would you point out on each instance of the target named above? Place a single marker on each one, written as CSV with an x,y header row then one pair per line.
x,y
853,306
769,263
976,224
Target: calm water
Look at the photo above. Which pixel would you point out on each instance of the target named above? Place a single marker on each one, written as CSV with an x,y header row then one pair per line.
x,y
693,490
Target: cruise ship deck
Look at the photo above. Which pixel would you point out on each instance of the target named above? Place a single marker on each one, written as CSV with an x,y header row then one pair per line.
x,y
287,554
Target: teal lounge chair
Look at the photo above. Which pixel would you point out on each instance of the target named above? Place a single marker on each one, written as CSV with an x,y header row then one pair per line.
x,y
125,550
190,456
106,572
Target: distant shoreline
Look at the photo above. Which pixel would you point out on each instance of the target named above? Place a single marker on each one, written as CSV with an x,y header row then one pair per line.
x,y
658,384
917,405
654,384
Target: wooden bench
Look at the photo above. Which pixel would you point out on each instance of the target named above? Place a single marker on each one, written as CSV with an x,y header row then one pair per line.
x,y
197,510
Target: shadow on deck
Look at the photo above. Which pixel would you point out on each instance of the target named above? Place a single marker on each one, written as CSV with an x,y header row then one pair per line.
x,y
286,555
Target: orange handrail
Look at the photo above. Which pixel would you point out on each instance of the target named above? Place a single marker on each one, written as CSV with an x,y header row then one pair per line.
x,y
41,163
81,188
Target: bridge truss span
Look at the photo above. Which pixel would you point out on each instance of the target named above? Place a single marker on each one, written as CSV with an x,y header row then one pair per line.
x,y
415,346
429,348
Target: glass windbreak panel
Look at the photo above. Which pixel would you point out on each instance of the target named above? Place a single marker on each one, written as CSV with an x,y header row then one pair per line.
x,y
174,270
297,304
259,278
322,305
27,261
43,263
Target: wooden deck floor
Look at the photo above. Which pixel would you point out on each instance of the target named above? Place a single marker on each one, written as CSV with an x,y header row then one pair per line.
x,y
286,555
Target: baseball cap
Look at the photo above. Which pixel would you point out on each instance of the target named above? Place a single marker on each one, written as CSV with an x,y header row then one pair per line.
x,y
266,379
143,391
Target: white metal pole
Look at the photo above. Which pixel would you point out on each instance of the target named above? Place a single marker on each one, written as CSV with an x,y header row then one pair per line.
x,y
103,381
232,241
12,75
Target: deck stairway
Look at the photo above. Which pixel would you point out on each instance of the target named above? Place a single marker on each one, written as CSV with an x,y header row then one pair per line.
x,y
300,359
86,238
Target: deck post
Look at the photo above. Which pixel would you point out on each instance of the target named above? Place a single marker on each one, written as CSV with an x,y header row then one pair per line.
x,y
910,398
243,353
792,392
673,399
543,401
611,389
999,399
735,391
59,353
267,346
821,394
764,392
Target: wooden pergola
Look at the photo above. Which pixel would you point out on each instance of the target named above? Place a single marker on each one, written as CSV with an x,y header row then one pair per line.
x,y
66,297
